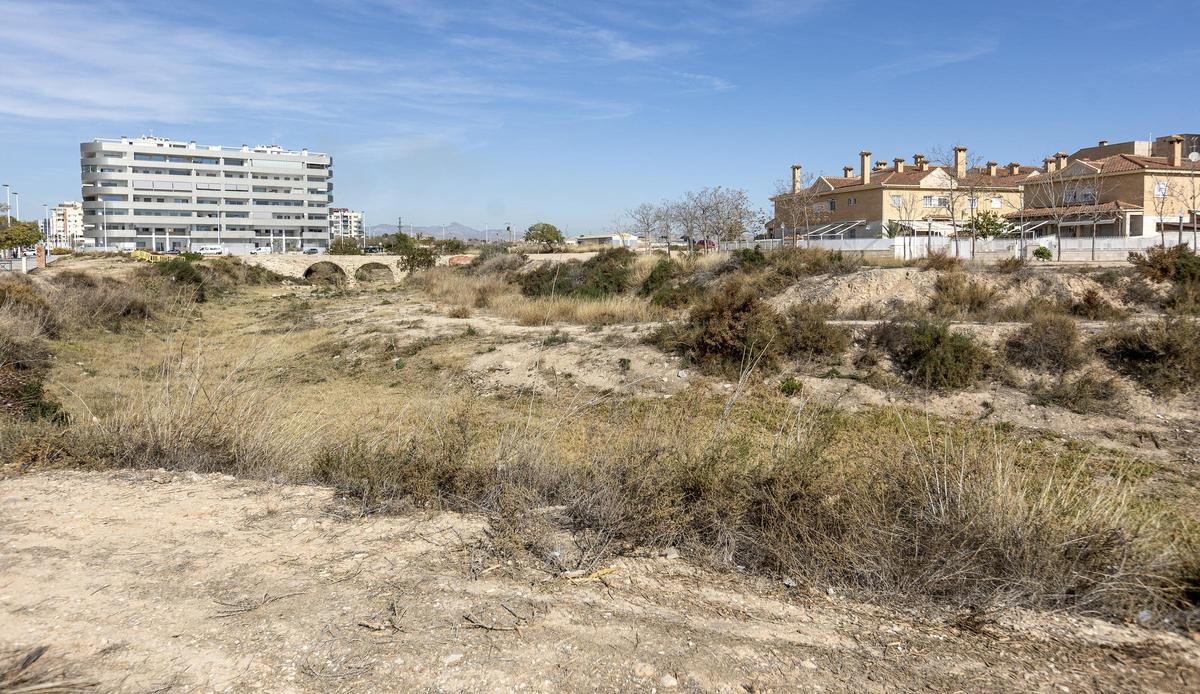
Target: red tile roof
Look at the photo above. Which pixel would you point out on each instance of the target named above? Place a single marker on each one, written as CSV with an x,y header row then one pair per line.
x,y
912,176
1074,210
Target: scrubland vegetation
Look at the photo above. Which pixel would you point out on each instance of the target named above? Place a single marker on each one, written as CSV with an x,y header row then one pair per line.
x,y
890,501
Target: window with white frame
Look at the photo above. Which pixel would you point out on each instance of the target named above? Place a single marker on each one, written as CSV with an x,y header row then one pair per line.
x,y
972,202
1161,188
897,201
936,201
997,203
833,205
851,201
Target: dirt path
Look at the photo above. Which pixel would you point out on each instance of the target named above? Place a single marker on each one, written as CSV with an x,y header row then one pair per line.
x,y
153,581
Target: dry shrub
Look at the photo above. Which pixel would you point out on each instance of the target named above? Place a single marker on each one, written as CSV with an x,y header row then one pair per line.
x,y
907,508
939,261
1164,356
187,418
733,330
1161,264
459,312
613,310
1049,343
792,263
956,295
1010,266
930,355
1087,393
1093,306
809,333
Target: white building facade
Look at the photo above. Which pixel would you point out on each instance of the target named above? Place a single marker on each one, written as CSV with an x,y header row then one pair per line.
x,y
344,223
156,194
66,225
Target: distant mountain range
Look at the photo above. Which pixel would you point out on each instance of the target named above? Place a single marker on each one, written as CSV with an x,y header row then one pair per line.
x,y
454,230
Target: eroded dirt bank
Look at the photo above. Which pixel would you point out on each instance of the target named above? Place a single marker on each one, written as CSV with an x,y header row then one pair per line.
x,y
156,581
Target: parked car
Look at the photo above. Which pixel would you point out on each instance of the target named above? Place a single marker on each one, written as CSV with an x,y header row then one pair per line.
x,y
373,249
311,251
211,250
261,250
172,251
31,253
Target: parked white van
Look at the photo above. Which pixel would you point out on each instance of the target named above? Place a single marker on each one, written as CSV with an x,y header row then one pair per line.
x,y
261,250
211,250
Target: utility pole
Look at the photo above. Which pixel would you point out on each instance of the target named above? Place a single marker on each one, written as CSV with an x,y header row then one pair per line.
x,y
7,205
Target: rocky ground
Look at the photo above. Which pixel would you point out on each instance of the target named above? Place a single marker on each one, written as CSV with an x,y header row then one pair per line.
x,y
154,581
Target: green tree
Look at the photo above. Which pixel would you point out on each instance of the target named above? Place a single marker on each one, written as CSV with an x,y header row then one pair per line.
x,y
344,246
987,224
413,256
19,234
546,234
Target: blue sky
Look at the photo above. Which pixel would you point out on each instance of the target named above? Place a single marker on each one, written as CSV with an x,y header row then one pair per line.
x,y
571,112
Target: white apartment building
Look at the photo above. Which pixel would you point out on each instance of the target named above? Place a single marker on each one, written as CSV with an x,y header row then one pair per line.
x,y
347,223
66,225
153,193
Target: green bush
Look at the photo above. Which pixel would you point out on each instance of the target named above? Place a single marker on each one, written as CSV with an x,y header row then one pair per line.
x,y
1049,343
809,333
930,355
1043,253
790,386
607,273
731,331
660,275
1163,356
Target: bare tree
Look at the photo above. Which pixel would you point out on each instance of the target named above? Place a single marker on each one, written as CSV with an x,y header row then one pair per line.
x,y
644,220
907,204
962,194
1162,191
798,209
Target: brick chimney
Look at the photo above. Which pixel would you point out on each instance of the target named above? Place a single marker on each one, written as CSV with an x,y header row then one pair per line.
x,y
880,165
899,162
796,180
847,171
864,166
1060,160
960,161
920,163
1175,154
1014,168
1049,163
1102,143
991,168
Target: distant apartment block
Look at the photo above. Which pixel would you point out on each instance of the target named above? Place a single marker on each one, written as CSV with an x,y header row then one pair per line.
x,y
153,193
900,198
344,223
66,225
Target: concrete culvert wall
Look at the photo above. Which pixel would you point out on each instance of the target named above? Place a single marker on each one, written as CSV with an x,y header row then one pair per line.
x,y
325,272
374,272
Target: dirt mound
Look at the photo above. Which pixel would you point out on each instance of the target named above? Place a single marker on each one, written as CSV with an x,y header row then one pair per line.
x,y
156,581
878,288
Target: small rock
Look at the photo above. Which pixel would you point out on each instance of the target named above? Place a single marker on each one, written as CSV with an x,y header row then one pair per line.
x,y
452,659
808,665
682,373
671,553
789,582
1144,617
668,681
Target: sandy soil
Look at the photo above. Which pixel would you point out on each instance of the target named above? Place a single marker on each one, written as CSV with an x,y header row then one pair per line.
x,y
153,581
